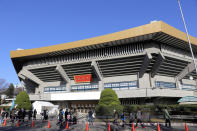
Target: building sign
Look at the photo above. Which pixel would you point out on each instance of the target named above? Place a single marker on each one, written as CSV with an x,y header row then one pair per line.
x,y
83,78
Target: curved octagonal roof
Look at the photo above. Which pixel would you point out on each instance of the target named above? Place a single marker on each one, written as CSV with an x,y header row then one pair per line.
x,y
143,32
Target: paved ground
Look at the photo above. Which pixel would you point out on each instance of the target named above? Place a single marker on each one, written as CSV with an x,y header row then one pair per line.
x,y
41,126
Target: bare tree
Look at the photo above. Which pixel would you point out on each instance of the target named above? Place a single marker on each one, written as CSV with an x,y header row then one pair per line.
x,y
3,84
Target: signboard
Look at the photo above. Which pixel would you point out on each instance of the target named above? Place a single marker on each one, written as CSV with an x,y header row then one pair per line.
x,y
83,78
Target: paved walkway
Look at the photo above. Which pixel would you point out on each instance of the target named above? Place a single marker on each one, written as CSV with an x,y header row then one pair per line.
x,y
98,126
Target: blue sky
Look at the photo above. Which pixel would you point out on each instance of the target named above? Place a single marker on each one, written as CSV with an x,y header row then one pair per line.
x,y
36,23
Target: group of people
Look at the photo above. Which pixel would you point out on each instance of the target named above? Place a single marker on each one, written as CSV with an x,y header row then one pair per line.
x,y
71,116
67,116
138,117
18,114
132,117
44,114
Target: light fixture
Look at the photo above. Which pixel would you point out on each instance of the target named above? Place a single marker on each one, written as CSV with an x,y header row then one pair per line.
x,y
191,77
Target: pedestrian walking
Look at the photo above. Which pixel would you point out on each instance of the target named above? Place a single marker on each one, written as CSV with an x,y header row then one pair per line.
x,y
66,114
6,114
23,114
2,115
139,118
90,113
122,117
20,114
12,115
116,116
167,117
34,114
29,115
75,116
131,118
60,117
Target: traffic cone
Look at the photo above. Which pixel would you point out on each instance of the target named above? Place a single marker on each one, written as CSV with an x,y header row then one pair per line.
x,y
67,127
186,128
133,128
87,129
109,127
49,126
4,122
17,125
32,124
158,127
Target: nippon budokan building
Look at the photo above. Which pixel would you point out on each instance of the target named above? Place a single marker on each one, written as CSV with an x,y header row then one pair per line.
x,y
148,64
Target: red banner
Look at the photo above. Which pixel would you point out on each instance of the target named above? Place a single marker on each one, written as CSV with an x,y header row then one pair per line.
x,y
83,78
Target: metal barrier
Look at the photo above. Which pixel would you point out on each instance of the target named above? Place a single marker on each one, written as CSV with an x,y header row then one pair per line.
x,y
42,123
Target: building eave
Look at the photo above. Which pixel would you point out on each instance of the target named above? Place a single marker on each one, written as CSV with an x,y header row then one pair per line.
x,y
125,34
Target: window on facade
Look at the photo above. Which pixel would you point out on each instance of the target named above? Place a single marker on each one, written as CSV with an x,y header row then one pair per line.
x,y
162,84
121,85
55,89
85,87
188,87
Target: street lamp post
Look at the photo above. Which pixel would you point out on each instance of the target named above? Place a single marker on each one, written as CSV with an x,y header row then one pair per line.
x,y
190,46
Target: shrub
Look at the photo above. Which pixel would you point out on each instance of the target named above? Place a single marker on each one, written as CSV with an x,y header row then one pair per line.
x,y
108,103
22,101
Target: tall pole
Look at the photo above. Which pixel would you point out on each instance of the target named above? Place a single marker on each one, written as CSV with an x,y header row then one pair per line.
x,y
190,46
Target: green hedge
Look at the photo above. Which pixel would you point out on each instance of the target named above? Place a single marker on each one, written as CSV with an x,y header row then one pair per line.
x,y
7,108
158,109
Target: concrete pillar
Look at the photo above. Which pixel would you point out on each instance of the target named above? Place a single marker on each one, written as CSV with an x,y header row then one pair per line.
x,y
96,70
24,73
178,84
157,64
63,74
144,82
101,85
146,62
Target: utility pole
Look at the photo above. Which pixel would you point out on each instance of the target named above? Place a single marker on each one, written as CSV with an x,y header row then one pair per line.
x,y
190,46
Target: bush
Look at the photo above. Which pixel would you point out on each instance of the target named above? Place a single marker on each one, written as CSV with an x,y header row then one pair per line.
x,y
108,103
103,110
7,108
22,101
157,109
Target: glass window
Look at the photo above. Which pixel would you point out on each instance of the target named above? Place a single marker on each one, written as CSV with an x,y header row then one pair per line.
x,y
54,89
107,85
121,85
74,87
124,84
58,88
84,87
162,84
188,87
63,88
46,89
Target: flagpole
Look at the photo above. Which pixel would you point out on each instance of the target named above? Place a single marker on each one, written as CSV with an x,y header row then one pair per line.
x,y
190,46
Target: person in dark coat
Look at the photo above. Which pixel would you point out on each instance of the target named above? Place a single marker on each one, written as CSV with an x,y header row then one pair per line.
x,y
66,114
20,114
23,114
60,118
90,113
34,114
29,114
45,114
6,114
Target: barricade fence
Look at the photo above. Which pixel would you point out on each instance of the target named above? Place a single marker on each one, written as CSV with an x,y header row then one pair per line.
x,y
38,122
